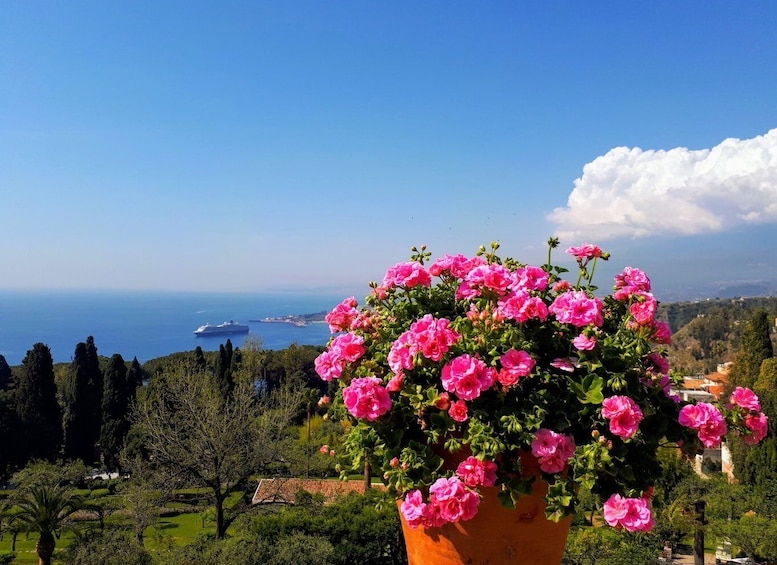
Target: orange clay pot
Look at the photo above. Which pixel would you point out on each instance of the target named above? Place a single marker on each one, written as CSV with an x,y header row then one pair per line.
x,y
496,535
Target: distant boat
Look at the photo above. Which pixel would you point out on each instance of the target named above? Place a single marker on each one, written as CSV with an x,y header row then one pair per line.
x,y
229,327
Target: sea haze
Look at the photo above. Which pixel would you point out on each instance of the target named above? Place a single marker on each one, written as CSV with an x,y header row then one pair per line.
x,y
147,325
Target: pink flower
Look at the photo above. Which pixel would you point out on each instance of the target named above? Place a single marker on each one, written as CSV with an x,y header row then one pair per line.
x,y
402,352
350,347
562,286
443,402
493,277
433,337
324,449
343,315
659,362
758,425
413,508
455,501
365,398
632,279
577,308
530,278
624,415
644,308
458,411
584,342
521,307
585,251
563,364
407,275
329,365
457,265
553,450
395,383
477,473
662,333
324,401
632,514
707,420
467,376
745,398
515,365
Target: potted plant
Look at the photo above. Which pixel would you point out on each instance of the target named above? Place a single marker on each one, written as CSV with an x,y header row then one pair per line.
x,y
471,380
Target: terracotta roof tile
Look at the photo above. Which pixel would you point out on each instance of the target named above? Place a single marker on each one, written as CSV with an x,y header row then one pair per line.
x,y
285,491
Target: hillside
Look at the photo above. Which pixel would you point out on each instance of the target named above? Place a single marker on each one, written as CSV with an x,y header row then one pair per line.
x,y
707,332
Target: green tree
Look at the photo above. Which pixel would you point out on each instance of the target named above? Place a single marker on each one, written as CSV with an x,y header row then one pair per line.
x,y
5,374
758,463
107,547
199,359
117,397
36,405
76,418
210,441
45,505
136,376
751,464
94,390
752,534
10,435
755,346
224,369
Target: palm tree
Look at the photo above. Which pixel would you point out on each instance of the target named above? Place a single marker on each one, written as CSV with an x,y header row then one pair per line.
x,y
47,509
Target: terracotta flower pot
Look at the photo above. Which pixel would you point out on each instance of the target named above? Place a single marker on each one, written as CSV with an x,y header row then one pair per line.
x,y
519,536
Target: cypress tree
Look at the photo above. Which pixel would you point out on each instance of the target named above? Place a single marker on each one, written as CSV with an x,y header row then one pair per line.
x,y
753,368
79,443
5,374
10,436
135,377
115,408
755,346
199,359
223,369
95,387
36,405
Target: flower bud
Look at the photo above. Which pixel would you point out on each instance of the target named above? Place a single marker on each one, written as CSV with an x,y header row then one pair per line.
x,y
394,463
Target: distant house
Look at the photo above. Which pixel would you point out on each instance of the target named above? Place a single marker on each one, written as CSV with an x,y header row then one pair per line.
x,y
284,491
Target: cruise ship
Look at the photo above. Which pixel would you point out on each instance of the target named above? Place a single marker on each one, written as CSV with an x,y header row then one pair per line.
x,y
229,327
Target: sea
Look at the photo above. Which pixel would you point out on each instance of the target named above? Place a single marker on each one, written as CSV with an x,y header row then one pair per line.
x,y
148,325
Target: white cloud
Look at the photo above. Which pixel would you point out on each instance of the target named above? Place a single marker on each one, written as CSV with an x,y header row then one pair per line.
x,y
635,193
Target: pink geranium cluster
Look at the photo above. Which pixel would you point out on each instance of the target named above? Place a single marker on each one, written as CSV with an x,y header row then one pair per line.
x,y
553,450
632,514
345,348
406,275
429,336
758,424
366,398
624,415
341,318
467,376
707,420
515,365
575,307
477,473
449,501
509,361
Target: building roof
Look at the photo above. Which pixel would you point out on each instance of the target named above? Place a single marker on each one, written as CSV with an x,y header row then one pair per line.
x,y
284,491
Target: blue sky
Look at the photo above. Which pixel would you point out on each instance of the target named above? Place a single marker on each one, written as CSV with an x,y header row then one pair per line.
x,y
249,146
